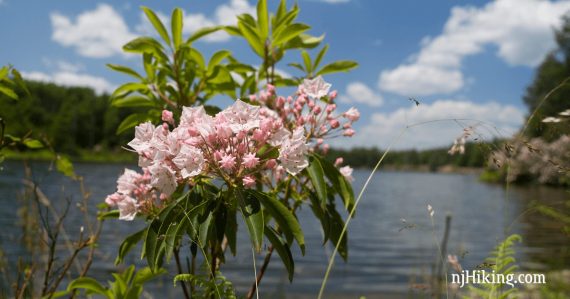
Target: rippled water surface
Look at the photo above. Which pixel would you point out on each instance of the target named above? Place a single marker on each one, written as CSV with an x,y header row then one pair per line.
x,y
386,256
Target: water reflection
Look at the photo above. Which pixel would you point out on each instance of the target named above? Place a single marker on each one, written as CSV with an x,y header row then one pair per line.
x,y
383,257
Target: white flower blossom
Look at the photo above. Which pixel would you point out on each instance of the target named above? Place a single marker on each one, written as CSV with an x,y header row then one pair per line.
x,y
346,171
126,182
143,135
163,178
189,160
127,208
315,88
242,116
293,152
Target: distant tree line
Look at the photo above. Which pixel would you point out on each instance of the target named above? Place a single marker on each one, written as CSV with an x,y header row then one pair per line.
x,y
476,155
68,118
75,118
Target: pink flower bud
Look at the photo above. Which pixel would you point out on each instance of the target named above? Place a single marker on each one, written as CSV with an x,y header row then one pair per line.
x,y
348,132
338,161
333,94
270,89
317,110
334,123
167,116
331,108
326,148
252,97
280,101
248,181
320,141
270,164
347,126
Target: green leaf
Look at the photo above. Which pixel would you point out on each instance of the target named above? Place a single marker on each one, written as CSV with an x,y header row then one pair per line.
x,y
33,143
297,66
337,66
4,72
128,88
145,44
145,274
155,21
133,120
197,57
232,30
336,224
88,283
173,234
253,217
304,41
150,243
281,10
289,32
262,19
320,56
64,165
204,230
20,81
203,32
217,58
317,176
282,249
231,231
8,92
58,294
134,101
338,181
176,23
283,216
129,243
113,214
252,37
307,62
124,70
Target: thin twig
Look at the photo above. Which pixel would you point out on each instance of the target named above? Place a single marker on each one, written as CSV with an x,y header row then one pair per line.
x,y
253,288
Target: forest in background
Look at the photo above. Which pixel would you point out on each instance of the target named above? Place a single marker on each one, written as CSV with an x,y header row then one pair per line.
x,y
78,122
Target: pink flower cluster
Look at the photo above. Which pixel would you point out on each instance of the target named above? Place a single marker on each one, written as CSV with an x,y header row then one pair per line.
x,y
225,146
313,109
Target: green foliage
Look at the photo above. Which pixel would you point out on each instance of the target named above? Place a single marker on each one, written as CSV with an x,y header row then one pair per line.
x,y
502,261
70,120
554,69
10,83
476,155
127,285
206,287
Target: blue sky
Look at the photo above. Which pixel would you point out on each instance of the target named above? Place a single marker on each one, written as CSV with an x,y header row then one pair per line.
x,y
461,59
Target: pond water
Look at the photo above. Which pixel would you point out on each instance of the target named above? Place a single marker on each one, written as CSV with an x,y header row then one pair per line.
x,y
386,256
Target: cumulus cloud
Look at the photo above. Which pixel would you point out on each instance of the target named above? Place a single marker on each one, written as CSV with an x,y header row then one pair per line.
x,y
97,33
520,29
358,92
439,129
67,77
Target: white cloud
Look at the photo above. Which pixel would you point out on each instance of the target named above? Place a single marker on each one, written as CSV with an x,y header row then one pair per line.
x,y
520,29
358,92
66,77
384,127
98,33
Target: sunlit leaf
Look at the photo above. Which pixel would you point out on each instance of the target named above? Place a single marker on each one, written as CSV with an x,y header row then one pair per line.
x,y
157,24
